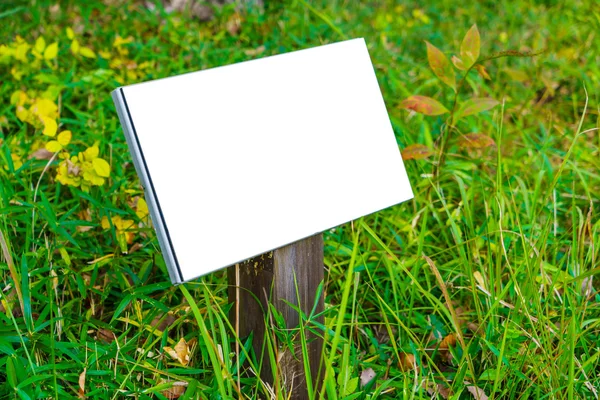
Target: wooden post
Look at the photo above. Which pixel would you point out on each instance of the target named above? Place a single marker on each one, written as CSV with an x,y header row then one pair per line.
x,y
272,274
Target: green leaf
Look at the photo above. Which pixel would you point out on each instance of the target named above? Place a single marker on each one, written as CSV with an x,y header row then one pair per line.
x,y
351,386
441,66
476,105
423,105
470,47
11,372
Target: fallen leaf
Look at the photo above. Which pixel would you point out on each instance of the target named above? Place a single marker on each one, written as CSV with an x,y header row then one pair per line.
x,y
423,105
41,154
440,65
106,335
476,141
440,389
407,362
587,288
416,152
175,391
449,340
366,376
162,321
479,279
181,352
445,344
254,52
477,392
82,384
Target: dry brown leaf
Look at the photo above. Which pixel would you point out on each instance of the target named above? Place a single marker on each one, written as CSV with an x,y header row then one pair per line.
x,y
477,392
134,248
479,279
445,344
587,288
366,376
176,391
255,52
234,25
81,393
407,362
106,335
449,340
181,352
440,389
162,321
41,154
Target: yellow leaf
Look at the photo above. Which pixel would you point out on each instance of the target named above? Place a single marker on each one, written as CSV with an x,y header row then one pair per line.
x,y
104,223
21,51
70,33
46,108
51,51
105,54
64,138
23,114
75,46
53,146
40,45
50,126
101,167
87,52
141,209
91,153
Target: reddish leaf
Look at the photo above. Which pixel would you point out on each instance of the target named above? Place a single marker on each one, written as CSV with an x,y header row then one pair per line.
x,y
476,141
458,63
416,152
441,66
476,105
424,105
471,44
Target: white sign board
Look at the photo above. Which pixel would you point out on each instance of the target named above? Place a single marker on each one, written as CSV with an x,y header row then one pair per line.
x,y
243,159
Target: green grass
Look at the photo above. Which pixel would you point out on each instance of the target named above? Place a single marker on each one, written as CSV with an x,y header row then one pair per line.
x,y
497,255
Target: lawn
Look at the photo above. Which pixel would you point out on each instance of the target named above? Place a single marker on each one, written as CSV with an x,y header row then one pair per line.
x,y
483,286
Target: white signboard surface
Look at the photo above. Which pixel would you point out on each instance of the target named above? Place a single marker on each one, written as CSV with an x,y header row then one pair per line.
x,y
242,159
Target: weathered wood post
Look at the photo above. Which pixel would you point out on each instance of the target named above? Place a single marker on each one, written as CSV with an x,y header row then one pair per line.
x,y
272,275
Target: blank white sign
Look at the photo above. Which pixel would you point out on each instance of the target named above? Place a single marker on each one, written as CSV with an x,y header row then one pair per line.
x,y
242,159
